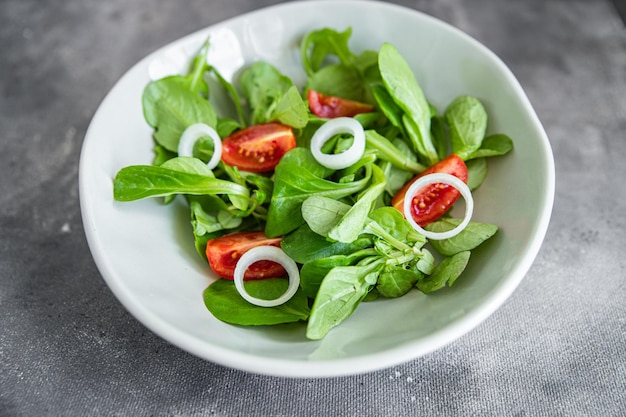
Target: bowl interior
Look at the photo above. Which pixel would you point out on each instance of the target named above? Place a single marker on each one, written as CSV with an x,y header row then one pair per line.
x,y
145,251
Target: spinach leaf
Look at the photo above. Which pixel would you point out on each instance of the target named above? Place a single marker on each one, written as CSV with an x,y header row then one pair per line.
x,y
189,165
440,135
473,235
294,183
234,96
387,151
161,155
340,221
476,172
467,121
263,187
170,107
210,216
446,272
304,158
390,109
322,214
224,302
142,181
341,81
493,145
396,281
340,293
226,127
402,86
291,110
317,45
396,178
333,69
424,147
272,96
304,245
351,224
313,273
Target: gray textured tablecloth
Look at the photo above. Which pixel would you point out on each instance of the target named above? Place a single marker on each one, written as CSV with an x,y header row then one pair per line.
x,y
68,347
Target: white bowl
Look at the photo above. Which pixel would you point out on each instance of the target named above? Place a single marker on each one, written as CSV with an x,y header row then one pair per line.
x,y
145,252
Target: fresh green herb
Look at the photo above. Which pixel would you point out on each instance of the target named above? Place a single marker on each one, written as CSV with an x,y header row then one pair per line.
x,y
342,281
339,294
440,135
297,177
467,119
402,86
476,172
272,96
170,107
137,182
350,77
472,236
225,303
387,151
396,281
229,125
494,145
446,272
303,245
317,45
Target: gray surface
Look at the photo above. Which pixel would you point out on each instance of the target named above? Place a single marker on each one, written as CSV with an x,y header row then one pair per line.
x,y
68,348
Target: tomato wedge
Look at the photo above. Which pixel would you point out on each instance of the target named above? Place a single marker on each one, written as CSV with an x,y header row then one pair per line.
x,y
330,107
258,148
433,200
224,253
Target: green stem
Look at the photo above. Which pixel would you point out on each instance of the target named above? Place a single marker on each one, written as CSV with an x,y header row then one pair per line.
x,y
199,69
374,228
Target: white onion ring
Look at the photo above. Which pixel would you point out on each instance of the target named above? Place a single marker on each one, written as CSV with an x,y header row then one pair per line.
x,y
334,127
437,178
192,134
267,253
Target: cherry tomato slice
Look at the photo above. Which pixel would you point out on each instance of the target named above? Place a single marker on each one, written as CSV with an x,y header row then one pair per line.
x,y
224,253
331,106
433,200
258,148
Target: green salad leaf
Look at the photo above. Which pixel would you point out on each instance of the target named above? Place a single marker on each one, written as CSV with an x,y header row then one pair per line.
x,y
339,294
405,91
142,181
170,107
471,237
223,300
446,272
272,96
297,177
467,120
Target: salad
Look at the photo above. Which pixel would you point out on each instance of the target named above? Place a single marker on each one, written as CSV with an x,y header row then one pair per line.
x,y
307,200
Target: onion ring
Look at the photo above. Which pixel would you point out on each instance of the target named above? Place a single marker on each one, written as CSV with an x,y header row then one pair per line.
x,y
195,132
436,178
334,127
267,253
